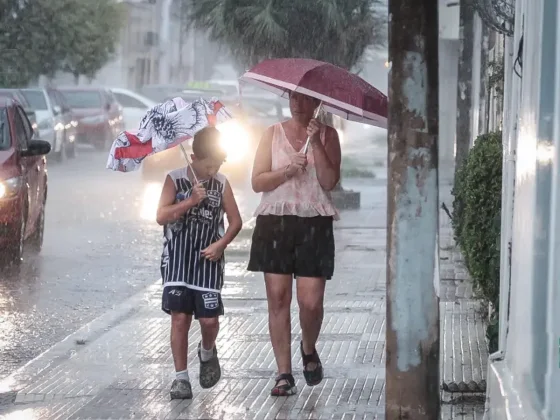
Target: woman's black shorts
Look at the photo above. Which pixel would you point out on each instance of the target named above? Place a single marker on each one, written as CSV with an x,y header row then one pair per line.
x,y
300,246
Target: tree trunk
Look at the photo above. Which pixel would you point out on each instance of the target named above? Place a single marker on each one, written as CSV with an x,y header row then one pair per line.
x,y
412,305
76,78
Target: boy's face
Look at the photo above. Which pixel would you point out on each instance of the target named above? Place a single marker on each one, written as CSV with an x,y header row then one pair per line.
x,y
206,168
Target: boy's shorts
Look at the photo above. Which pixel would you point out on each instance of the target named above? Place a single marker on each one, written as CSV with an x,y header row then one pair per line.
x,y
200,303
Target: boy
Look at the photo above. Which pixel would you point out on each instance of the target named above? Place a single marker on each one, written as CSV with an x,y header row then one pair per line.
x,y
192,264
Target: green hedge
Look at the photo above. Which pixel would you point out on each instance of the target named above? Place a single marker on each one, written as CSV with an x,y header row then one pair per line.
x,y
476,219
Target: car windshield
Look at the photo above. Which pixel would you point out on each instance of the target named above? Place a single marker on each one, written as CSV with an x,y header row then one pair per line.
x,y
4,135
36,99
81,99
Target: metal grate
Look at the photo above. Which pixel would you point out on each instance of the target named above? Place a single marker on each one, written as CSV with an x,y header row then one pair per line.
x,y
499,15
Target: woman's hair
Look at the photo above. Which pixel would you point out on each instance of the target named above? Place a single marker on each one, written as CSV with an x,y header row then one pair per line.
x,y
206,144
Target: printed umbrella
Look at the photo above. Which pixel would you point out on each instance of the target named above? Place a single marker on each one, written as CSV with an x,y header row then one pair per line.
x,y
340,92
164,126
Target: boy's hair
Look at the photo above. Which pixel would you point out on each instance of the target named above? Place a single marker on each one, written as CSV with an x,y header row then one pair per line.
x,y
206,144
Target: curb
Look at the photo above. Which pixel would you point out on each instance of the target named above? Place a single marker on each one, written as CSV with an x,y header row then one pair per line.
x,y
67,347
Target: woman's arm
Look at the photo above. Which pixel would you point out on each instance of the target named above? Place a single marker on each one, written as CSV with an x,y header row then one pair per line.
x,y
263,178
167,211
327,159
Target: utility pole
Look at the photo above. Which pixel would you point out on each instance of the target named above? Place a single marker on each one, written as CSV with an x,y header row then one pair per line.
x,y
412,331
164,40
463,135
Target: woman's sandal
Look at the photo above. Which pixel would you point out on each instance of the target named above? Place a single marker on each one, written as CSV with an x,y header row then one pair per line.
x,y
284,390
315,376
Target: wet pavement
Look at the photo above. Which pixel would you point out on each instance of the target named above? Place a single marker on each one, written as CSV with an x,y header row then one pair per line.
x,y
101,247
120,365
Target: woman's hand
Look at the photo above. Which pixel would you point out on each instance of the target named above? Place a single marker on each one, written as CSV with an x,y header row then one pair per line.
x,y
298,163
314,130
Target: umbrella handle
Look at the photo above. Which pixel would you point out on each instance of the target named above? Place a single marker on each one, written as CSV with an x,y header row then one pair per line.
x,y
315,115
189,163
191,168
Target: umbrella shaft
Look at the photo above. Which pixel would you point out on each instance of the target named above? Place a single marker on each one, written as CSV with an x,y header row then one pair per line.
x,y
316,114
189,163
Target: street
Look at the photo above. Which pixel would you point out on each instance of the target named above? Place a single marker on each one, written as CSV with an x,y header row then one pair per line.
x,y
101,246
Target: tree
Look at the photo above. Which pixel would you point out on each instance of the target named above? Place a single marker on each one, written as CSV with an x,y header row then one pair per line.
x,y
96,35
41,37
336,31
32,34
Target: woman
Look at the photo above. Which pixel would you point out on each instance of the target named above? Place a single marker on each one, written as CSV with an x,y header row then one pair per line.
x,y
293,236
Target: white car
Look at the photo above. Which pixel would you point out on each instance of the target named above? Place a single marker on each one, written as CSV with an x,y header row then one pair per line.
x,y
55,122
134,106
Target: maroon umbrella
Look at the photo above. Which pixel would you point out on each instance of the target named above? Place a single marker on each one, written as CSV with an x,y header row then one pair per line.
x,y
341,92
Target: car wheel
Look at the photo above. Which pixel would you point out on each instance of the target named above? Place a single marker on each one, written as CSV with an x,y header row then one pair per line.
x,y
62,155
15,249
104,142
36,240
71,150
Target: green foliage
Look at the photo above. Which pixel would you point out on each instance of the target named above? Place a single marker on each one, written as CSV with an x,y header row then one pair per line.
x,y
496,76
336,31
41,37
95,37
477,213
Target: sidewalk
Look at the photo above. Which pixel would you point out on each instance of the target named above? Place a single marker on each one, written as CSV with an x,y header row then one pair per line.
x,y
120,365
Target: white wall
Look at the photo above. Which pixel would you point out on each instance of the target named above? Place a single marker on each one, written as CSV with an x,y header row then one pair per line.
x,y
517,376
448,65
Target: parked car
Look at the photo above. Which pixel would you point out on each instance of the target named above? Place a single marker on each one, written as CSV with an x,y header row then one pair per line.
x,y
134,107
17,96
23,183
100,118
54,120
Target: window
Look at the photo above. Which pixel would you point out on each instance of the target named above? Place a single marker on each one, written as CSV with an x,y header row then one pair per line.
x,y
83,99
36,99
128,101
22,129
26,125
4,130
61,102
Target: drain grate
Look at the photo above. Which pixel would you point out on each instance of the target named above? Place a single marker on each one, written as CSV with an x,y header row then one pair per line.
x,y
7,397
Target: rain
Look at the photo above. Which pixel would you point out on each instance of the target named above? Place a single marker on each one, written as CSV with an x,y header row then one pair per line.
x,y
253,209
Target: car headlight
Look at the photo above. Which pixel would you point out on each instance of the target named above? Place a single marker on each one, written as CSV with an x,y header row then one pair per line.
x,y
10,187
234,140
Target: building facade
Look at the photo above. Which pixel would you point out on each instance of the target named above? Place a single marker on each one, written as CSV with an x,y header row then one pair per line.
x,y
524,375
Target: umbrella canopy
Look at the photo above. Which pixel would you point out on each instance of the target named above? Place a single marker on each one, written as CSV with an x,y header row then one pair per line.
x,y
164,126
341,92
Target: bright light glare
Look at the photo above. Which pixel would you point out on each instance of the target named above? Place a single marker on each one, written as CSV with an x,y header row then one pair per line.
x,y
150,201
235,140
2,190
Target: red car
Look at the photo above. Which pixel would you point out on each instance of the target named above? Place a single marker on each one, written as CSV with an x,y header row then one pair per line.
x,y
99,115
23,183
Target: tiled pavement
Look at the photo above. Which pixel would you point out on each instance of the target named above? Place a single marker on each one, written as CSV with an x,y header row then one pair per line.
x,y
120,366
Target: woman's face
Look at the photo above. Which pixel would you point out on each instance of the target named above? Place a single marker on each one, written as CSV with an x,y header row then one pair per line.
x,y
302,106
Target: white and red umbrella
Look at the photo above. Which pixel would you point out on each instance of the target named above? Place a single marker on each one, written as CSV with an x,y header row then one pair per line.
x,y
340,92
164,126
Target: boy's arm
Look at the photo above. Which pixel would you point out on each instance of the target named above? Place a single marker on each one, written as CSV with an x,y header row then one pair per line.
x,y
167,211
234,218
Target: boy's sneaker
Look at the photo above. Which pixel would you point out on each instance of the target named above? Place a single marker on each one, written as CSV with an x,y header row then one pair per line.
x,y
210,371
181,390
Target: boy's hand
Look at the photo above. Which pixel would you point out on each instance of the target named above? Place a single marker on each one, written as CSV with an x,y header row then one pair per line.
x,y
198,194
214,252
